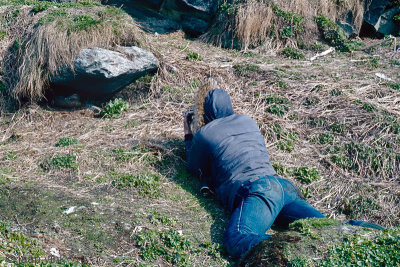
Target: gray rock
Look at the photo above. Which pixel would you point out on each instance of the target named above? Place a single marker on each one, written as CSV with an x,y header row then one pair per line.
x,y
193,25
385,24
374,10
206,6
100,72
347,25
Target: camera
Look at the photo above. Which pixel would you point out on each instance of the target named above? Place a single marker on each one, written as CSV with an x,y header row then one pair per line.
x,y
189,114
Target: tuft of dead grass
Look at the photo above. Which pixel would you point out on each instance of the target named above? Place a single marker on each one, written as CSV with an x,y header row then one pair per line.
x,y
52,40
276,24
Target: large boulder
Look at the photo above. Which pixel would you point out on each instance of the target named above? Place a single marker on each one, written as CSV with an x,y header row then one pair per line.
x,y
100,72
378,18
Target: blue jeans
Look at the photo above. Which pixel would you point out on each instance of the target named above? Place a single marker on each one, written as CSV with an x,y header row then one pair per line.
x,y
259,203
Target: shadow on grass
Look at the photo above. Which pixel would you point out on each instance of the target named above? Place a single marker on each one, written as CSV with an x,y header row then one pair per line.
x,y
173,167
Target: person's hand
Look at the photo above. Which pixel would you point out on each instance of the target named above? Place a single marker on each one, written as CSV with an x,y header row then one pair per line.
x,y
186,126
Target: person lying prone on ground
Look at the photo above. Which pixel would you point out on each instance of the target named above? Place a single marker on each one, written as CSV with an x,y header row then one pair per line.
x,y
230,157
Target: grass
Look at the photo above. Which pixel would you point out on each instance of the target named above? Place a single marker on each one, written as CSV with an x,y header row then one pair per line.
x,y
14,244
168,244
148,184
84,24
111,210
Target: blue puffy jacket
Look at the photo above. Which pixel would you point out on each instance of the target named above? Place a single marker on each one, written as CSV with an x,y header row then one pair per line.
x,y
228,150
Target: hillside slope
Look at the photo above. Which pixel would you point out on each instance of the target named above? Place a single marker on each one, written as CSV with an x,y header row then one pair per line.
x,y
109,191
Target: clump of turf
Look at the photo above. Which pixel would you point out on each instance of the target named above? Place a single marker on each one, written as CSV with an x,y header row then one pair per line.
x,y
54,36
326,242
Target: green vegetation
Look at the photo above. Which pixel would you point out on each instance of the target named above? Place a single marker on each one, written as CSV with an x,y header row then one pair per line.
x,y
395,86
167,243
305,225
193,56
147,183
14,244
358,207
335,92
67,141
311,101
39,6
287,141
138,153
364,159
306,175
3,34
157,218
245,69
380,250
324,138
292,53
332,33
10,156
60,161
279,105
114,108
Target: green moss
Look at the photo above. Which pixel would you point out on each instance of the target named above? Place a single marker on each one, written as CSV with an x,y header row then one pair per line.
x,y
67,141
306,224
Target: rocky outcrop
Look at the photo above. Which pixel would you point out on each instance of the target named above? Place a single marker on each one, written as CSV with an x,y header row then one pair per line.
x,y
100,72
192,16
378,18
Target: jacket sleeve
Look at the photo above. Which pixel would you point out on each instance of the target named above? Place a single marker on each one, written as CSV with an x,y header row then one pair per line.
x,y
197,156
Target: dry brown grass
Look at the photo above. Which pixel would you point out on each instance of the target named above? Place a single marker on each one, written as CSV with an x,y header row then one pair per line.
x,y
254,22
52,40
155,121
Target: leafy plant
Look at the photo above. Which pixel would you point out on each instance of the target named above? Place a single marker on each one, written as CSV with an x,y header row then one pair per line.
x,y
193,56
67,141
306,175
292,53
60,161
114,108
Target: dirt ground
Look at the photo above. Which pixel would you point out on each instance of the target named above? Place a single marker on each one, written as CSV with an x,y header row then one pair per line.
x,y
332,126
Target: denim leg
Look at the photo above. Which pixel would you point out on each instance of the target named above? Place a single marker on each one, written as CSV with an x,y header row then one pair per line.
x,y
298,209
253,217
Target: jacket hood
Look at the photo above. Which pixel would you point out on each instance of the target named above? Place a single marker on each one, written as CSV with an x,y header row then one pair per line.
x,y
217,104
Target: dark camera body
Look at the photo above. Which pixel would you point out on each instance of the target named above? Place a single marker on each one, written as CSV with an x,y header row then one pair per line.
x,y
189,114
